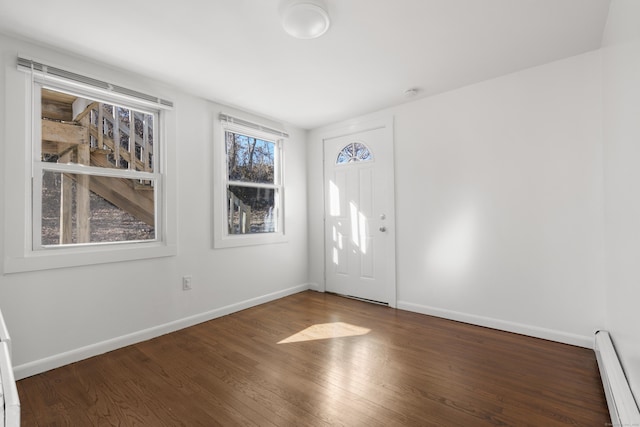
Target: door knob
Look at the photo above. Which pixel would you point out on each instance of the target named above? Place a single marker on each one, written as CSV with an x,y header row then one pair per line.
x,y
383,228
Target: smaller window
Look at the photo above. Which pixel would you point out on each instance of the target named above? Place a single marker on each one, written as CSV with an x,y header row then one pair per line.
x,y
253,183
354,152
249,188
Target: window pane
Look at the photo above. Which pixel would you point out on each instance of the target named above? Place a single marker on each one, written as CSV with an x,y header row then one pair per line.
x,y
251,210
92,209
354,152
88,132
250,159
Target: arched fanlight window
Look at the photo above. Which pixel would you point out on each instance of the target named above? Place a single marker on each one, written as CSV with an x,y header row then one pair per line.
x,y
354,152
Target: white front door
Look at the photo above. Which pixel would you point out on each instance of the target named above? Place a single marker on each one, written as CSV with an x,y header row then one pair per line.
x,y
359,214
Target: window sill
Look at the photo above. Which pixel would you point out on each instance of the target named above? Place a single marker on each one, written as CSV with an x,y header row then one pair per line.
x,y
249,240
53,258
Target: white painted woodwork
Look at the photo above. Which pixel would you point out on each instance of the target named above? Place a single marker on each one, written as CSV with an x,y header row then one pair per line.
x,y
359,219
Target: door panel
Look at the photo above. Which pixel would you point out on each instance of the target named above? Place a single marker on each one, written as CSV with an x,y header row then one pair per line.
x,y
359,220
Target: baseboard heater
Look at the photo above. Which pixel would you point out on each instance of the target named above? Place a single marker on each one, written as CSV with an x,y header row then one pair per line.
x,y
9,401
622,405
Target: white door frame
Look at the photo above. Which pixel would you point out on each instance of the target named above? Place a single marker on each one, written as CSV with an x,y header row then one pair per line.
x,y
385,123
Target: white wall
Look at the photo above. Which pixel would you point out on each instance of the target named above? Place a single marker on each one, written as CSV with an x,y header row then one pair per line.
x,y
499,209
60,315
621,59
498,202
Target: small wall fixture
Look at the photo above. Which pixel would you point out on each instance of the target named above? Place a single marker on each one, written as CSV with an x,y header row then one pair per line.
x,y
305,19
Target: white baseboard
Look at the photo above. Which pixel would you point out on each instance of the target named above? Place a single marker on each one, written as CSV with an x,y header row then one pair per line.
x,y
518,328
58,360
316,287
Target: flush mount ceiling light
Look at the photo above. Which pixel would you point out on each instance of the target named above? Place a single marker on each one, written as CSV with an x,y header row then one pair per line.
x,y
305,19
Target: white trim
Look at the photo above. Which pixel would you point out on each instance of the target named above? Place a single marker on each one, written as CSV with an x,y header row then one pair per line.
x,y
78,169
77,255
503,325
230,120
240,240
317,287
221,237
42,365
623,409
38,168
9,398
112,92
19,255
385,122
4,333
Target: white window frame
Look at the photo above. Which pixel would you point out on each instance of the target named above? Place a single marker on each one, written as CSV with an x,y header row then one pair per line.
x,y
22,253
39,167
222,238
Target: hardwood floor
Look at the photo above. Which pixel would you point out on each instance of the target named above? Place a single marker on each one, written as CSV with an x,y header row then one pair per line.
x,y
383,367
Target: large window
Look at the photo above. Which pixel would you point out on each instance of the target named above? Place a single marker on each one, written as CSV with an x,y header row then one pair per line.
x,y
85,170
95,173
252,185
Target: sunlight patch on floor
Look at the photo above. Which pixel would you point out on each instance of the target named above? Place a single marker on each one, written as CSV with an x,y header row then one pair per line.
x,y
325,331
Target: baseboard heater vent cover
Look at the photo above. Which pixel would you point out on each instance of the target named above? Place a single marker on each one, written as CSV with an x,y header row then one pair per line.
x,y
622,405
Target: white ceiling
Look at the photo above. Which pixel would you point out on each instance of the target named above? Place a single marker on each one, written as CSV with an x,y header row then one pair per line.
x,y
235,51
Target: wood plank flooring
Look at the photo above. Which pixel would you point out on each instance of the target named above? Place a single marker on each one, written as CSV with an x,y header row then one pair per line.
x,y
360,365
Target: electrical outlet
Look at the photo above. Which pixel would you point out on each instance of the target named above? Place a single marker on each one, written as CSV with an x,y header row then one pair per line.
x,y
186,283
